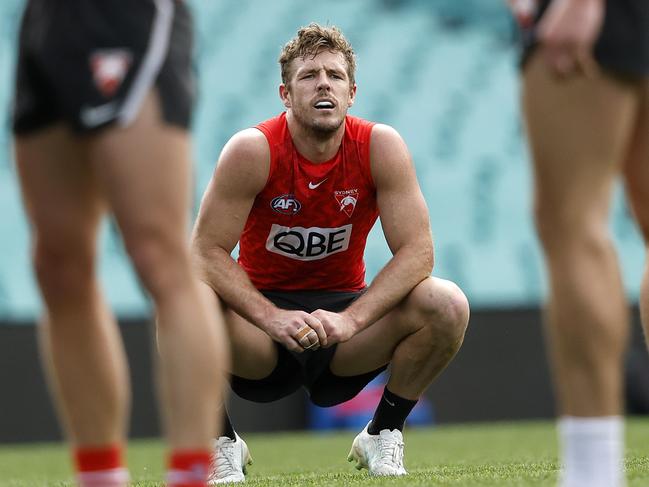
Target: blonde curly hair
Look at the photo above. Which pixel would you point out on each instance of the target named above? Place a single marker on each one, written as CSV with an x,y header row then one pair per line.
x,y
312,39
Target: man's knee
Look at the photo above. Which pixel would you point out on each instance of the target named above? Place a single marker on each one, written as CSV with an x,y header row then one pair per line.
x,y
161,262
552,223
564,231
441,307
64,269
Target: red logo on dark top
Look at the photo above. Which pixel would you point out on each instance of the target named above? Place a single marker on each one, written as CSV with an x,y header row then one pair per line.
x,y
109,68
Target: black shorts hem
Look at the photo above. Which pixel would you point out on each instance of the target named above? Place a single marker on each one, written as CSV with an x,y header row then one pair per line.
x,y
310,369
324,388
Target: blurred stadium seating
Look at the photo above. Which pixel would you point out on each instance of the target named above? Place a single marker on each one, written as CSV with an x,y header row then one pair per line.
x,y
442,72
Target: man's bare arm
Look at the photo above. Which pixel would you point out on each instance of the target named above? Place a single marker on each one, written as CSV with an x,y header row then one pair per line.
x,y
406,226
241,173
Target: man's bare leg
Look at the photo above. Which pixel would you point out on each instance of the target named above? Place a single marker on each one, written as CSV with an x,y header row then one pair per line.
x,y
636,172
418,338
145,171
80,338
579,131
80,343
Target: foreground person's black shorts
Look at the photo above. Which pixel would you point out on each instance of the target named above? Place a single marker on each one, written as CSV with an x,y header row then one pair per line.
x,y
91,63
623,45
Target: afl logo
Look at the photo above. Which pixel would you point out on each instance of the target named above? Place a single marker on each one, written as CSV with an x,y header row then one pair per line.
x,y
286,204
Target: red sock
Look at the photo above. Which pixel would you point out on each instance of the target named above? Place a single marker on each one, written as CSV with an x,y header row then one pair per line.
x,y
100,466
189,468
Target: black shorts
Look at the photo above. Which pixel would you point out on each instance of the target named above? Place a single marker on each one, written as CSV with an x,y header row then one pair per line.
x,y
91,63
623,45
309,369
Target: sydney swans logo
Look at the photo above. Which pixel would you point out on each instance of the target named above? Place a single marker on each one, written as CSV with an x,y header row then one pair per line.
x,y
347,200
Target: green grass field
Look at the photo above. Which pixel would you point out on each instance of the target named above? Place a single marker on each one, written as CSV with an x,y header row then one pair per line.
x,y
495,454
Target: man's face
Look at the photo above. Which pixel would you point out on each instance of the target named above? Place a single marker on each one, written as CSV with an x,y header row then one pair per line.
x,y
319,91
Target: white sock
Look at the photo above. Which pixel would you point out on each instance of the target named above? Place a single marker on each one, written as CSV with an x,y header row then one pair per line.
x,y
592,451
115,477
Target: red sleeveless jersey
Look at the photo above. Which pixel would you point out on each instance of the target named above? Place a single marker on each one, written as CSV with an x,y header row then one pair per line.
x,y
307,228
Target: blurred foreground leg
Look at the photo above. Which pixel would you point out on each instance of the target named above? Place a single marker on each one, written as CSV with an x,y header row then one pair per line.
x,y
146,173
80,343
579,133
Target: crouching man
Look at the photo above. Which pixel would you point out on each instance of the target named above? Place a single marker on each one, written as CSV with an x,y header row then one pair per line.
x,y
299,193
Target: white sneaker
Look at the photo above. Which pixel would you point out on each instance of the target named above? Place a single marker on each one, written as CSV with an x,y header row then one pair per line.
x,y
381,454
229,461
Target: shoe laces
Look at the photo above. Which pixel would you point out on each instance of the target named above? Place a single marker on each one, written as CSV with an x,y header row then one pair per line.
x,y
391,449
226,463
